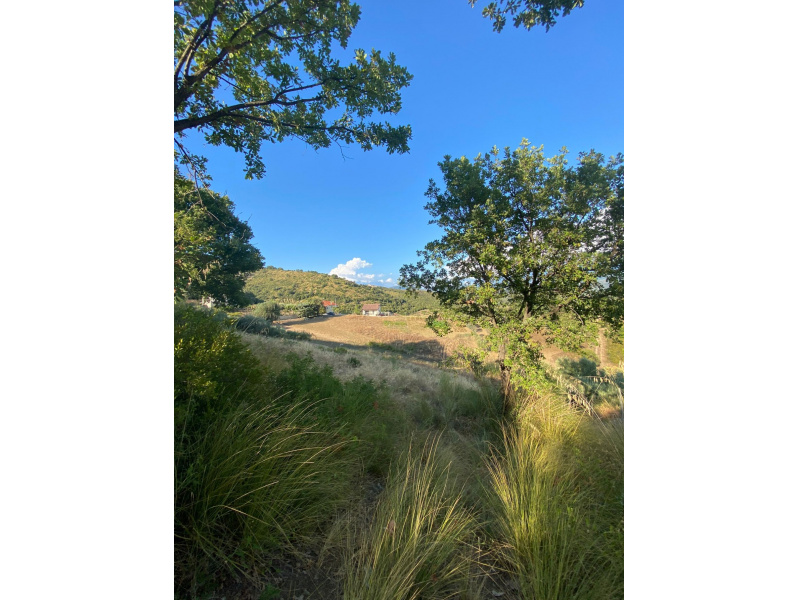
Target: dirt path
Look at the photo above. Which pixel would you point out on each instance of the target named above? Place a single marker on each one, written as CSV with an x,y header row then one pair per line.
x,y
602,349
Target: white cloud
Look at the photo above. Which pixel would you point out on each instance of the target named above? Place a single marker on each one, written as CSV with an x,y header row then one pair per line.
x,y
353,270
349,270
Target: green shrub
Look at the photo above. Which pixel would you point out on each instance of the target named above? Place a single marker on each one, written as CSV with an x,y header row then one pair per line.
x,y
439,325
255,325
251,473
211,366
583,376
309,309
269,311
259,326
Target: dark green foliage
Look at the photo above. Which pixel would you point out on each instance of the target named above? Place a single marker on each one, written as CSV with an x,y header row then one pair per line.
x,y
249,72
527,13
212,250
251,473
582,367
269,311
595,384
211,367
309,309
531,245
255,325
290,287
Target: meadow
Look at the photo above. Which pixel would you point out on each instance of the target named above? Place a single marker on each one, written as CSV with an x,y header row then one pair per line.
x,y
363,462
408,335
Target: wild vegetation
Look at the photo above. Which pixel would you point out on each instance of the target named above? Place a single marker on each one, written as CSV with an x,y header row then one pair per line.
x,y
531,245
212,251
304,469
291,287
307,468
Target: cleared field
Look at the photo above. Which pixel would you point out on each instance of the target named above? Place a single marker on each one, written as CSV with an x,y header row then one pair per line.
x,y
405,334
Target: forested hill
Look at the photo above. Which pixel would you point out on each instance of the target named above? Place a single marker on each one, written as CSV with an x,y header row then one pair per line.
x,y
288,287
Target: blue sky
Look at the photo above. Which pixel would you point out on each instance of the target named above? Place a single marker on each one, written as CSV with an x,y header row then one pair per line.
x,y
472,89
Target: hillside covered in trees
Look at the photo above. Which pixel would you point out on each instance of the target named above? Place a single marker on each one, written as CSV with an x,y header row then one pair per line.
x,y
288,287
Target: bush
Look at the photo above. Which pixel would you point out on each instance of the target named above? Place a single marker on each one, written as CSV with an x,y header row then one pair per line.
x,y
211,366
309,309
251,473
254,325
439,325
269,311
594,384
259,326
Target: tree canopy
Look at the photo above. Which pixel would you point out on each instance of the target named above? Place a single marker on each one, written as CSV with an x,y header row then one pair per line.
x,y
255,71
527,13
212,246
530,245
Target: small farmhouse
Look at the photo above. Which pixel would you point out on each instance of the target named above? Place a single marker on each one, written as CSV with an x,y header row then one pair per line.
x,y
371,310
329,306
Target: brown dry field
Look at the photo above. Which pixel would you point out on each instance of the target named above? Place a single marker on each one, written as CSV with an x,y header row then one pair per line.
x,y
407,334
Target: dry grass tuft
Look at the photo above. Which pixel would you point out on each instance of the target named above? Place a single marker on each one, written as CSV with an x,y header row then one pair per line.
x,y
405,379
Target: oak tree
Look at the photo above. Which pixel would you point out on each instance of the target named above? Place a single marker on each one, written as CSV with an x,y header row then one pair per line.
x,y
253,71
530,245
212,246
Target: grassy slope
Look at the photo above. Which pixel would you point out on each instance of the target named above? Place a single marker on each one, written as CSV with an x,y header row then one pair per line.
x,y
292,286
407,478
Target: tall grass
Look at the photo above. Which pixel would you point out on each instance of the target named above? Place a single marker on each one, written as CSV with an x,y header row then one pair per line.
x,y
259,480
418,543
261,469
557,484
253,472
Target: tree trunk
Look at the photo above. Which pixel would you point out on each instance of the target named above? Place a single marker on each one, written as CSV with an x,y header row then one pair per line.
x,y
505,383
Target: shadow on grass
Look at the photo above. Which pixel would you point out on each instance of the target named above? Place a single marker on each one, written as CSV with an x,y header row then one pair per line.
x,y
431,351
